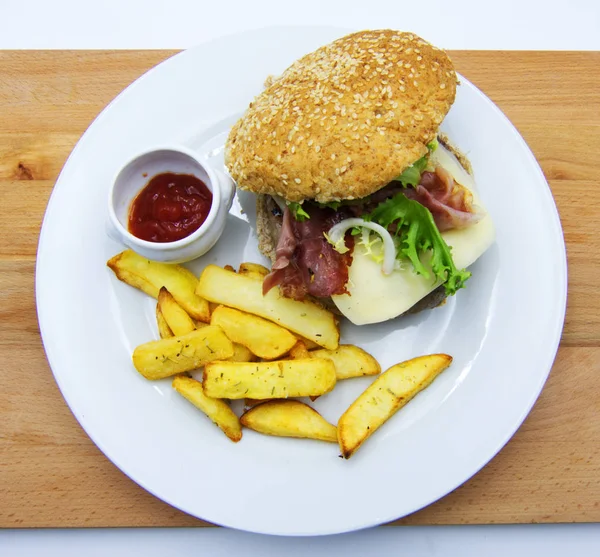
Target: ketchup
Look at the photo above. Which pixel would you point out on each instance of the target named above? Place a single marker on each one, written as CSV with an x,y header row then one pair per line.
x,y
170,207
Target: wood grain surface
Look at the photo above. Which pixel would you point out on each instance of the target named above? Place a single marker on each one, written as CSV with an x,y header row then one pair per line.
x,y
51,474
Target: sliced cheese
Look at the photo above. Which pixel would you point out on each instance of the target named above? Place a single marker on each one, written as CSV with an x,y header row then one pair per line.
x,y
374,297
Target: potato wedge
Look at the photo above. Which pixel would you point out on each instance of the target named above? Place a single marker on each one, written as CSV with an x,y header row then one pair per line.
x,y
262,380
253,270
149,276
310,345
350,361
216,409
244,293
176,317
248,267
299,351
164,330
384,397
166,357
263,338
289,418
241,354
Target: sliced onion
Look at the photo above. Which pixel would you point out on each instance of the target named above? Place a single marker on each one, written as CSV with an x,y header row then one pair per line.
x,y
280,202
336,235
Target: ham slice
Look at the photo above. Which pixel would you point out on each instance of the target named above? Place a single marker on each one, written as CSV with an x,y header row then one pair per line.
x,y
305,262
449,202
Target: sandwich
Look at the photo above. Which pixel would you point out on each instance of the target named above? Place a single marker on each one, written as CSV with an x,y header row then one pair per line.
x,y
362,203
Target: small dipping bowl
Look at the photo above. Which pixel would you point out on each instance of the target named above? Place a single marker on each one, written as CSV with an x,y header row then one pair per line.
x,y
136,174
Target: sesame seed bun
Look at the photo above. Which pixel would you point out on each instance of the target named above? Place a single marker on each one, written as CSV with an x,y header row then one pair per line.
x,y
344,120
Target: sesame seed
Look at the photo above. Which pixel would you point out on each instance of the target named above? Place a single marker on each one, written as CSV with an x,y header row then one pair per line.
x,y
442,86
310,142
297,180
317,148
332,156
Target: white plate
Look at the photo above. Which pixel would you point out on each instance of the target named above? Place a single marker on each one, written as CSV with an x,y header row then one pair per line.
x,y
503,330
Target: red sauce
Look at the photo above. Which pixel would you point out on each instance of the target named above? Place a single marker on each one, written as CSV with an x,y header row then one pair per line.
x,y
170,207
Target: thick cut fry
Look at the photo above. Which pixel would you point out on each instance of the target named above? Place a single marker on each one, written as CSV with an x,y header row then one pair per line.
x,y
350,361
241,354
244,293
310,345
217,410
150,276
261,337
163,328
253,270
299,351
289,418
163,358
262,380
384,397
176,317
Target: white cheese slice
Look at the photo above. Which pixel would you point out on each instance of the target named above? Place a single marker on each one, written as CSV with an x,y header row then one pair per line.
x,y
374,297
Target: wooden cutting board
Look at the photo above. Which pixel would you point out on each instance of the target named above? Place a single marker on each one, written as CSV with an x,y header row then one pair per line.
x,y
51,474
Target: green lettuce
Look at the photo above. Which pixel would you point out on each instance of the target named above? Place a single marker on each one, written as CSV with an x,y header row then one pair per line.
x,y
417,234
297,211
412,175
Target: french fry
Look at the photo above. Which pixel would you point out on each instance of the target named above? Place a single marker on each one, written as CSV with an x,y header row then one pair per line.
x,y
166,357
216,409
244,293
350,361
253,270
241,354
310,345
164,330
299,351
229,268
261,337
150,276
264,380
176,317
384,397
289,418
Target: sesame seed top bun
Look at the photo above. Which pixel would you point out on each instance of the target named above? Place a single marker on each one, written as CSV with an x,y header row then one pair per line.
x,y
344,120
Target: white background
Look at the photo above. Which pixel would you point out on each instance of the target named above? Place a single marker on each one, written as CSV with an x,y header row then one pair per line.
x,y
452,24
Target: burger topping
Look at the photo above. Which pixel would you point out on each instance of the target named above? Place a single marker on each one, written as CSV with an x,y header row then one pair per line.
x,y
337,234
305,261
415,235
449,202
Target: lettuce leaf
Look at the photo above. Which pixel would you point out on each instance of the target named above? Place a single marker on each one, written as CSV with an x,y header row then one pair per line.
x,y
417,235
297,211
412,175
